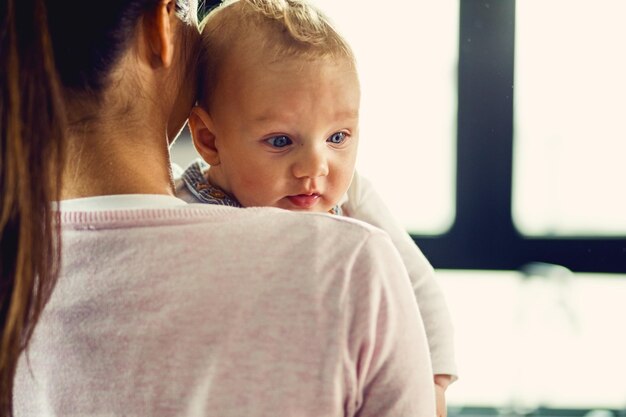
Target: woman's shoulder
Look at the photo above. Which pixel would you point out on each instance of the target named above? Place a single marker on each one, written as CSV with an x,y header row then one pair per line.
x,y
211,216
197,247
242,233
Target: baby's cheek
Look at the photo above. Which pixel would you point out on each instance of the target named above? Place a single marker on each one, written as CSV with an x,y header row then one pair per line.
x,y
258,190
342,181
259,180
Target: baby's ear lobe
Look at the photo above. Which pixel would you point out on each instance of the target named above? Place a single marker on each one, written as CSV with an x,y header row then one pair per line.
x,y
202,133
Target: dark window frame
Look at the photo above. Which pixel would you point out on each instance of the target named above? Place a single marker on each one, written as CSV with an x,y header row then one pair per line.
x,y
483,235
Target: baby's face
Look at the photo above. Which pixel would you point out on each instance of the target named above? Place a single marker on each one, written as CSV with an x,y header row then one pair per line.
x,y
287,133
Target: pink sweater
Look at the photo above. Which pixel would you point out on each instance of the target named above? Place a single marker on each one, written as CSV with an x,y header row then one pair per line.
x,y
217,311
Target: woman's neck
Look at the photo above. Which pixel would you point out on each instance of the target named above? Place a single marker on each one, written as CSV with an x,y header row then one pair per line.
x,y
117,160
119,142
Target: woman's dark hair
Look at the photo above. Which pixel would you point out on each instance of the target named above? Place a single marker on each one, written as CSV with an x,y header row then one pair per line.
x,y
46,54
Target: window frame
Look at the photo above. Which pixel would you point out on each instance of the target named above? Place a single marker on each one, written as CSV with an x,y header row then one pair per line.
x,y
483,235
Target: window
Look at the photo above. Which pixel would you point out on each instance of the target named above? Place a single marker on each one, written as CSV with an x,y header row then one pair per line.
x,y
489,206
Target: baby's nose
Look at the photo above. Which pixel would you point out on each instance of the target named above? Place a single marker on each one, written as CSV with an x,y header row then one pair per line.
x,y
311,163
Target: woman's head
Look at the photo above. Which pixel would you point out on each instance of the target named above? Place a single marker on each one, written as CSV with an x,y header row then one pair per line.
x,y
89,53
57,74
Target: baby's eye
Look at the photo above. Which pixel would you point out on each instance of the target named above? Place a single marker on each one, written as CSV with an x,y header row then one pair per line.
x,y
337,138
279,141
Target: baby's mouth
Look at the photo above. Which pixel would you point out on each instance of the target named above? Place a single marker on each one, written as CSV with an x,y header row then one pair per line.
x,y
304,201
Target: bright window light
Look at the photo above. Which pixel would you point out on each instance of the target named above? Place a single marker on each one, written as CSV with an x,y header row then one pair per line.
x,y
570,135
537,341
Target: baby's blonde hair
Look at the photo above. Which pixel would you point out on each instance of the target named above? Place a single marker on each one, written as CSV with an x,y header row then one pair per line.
x,y
278,28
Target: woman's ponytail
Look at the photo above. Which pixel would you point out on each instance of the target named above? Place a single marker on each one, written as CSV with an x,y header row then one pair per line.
x,y
32,125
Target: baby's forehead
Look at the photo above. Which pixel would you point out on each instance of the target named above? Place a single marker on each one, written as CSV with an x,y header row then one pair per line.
x,y
268,43
261,47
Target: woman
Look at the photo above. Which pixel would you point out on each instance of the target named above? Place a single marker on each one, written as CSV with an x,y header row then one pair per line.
x,y
159,307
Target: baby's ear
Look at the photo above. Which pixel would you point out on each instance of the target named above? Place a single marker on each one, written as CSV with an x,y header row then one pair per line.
x,y
203,135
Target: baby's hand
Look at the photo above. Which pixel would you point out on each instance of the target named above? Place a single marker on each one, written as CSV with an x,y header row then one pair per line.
x,y
441,384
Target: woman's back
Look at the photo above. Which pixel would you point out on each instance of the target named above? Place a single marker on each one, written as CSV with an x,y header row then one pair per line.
x,y
309,327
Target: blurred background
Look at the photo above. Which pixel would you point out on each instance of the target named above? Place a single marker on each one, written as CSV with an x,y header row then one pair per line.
x,y
495,131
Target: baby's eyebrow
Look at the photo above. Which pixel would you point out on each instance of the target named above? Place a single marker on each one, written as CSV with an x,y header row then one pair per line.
x,y
271,114
347,114
266,117
286,116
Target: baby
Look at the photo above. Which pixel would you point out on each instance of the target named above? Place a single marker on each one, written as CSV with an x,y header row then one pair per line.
x,y
277,122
